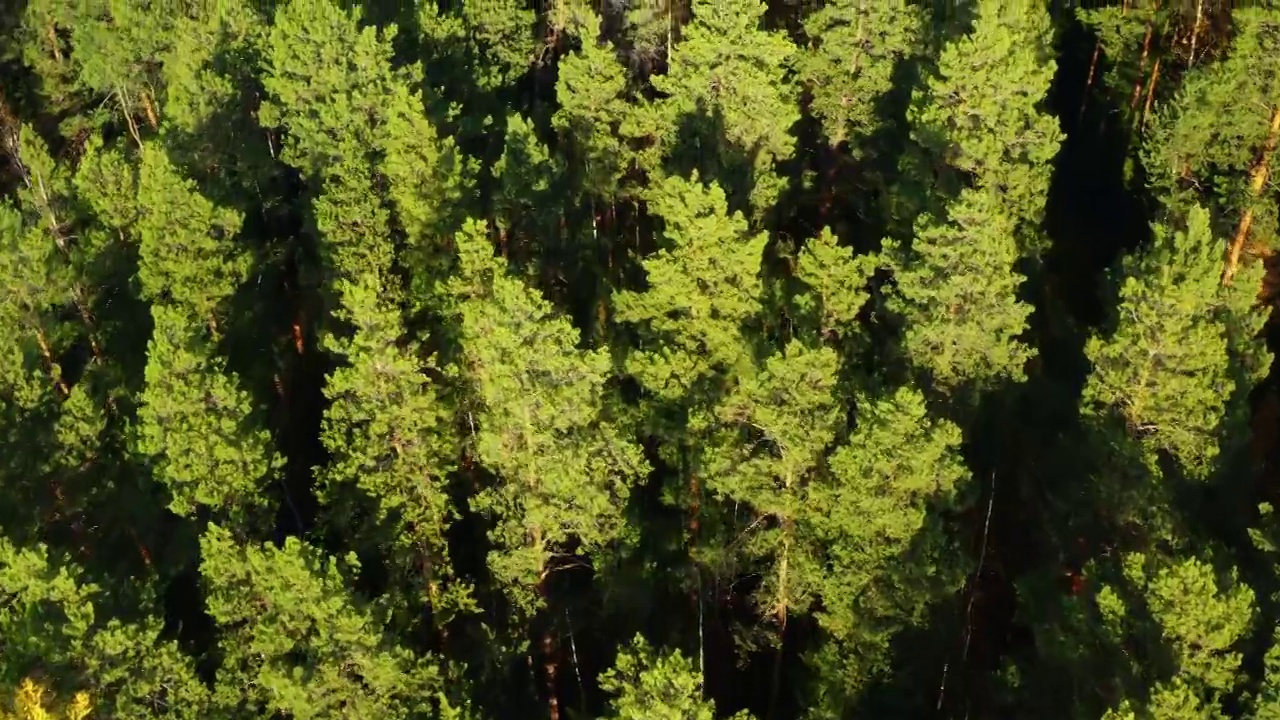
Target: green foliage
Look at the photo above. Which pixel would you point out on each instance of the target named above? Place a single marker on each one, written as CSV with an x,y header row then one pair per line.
x,y
192,422
534,408
855,47
727,76
703,288
1202,147
773,430
295,641
1165,369
957,291
981,112
186,256
386,429
591,91
837,282
49,621
416,370
1194,619
660,685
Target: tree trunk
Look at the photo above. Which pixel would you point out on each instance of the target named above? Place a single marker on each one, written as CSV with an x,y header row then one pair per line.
x,y
53,42
128,117
1151,93
150,110
550,667
1195,32
780,613
1088,81
1257,179
45,352
1142,68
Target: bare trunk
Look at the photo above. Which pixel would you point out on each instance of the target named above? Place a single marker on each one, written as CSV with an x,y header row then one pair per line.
x,y
48,359
1257,179
1195,32
780,614
1142,68
150,110
1151,93
550,667
53,42
1088,81
128,117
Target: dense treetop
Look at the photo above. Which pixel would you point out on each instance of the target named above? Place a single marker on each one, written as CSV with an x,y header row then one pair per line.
x,y
675,360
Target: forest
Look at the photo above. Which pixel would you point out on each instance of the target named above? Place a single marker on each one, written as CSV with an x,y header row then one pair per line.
x,y
639,359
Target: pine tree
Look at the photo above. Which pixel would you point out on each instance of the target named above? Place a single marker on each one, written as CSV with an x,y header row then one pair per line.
x,y
387,430
193,419
534,402
855,47
1197,618
884,552
51,622
726,76
591,90
295,641
389,434
772,431
1215,144
534,405
1165,370
957,292
704,287
981,113
650,684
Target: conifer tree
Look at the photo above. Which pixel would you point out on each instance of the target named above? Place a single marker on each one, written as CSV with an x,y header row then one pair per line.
x,y
704,287
1215,144
726,77
534,405
957,292
591,88
193,418
981,113
836,280
1177,659
647,683
1166,369
1123,53
854,49
102,52
691,340
535,399
771,432
295,641
883,549
51,622
386,430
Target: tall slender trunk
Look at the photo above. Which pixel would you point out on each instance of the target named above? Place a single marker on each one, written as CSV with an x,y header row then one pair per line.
x,y
1195,32
1142,67
780,614
550,668
128,117
1088,81
692,527
149,108
52,34
1257,179
47,354
1151,93
550,665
